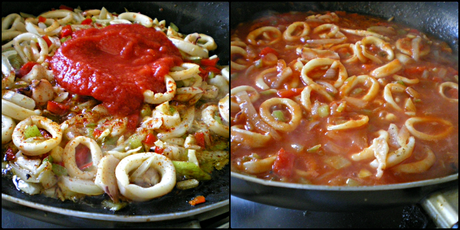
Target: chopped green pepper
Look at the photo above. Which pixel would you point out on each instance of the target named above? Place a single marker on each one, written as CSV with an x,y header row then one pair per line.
x,y
32,131
190,170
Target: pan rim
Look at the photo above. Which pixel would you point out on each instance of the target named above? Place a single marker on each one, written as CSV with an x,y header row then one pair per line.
x,y
115,217
235,175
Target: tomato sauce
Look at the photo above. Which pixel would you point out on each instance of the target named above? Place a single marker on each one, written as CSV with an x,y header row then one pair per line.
x,y
115,65
311,153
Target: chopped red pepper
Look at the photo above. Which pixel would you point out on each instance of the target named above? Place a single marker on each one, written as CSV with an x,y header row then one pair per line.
x,y
150,139
199,136
82,156
87,21
57,108
66,31
25,69
47,40
197,200
41,19
9,154
209,62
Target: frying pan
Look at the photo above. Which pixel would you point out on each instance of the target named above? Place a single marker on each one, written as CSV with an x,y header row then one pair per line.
x,y
437,19
204,17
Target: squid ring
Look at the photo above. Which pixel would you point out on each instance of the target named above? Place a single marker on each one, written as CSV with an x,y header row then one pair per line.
x,y
260,78
264,32
236,50
65,15
249,138
451,85
288,33
37,147
293,108
137,17
418,166
190,70
363,119
363,79
387,70
137,193
69,157
424,136
306,92
334,30
388,96
7,128
157,98
29,37
318,62
253,95
379,43
208,118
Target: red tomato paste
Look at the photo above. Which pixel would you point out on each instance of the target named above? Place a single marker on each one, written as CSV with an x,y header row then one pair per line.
x,y
115,65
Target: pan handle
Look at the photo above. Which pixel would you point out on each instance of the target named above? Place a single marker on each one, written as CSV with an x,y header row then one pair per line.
x,y
442,207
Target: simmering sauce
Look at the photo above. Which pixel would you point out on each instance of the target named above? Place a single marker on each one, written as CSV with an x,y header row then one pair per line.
x,y
342,99
115,65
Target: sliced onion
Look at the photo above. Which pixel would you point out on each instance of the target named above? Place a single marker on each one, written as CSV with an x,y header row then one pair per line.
x,y
246,106
416,48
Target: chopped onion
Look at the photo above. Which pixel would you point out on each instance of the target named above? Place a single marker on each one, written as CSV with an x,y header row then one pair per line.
x,y
416,48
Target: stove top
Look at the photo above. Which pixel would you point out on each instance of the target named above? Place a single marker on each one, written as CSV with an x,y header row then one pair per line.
x,y
248,214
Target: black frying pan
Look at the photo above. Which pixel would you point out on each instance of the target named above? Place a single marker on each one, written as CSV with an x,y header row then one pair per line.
x,y
203,17
437,19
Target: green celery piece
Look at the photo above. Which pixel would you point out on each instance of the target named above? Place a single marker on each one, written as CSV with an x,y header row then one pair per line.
x,y
190,170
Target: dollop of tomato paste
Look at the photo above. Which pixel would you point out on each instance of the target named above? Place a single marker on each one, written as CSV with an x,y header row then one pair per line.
x,y
115,65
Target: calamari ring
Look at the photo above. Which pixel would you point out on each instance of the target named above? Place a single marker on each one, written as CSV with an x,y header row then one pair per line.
x,y
450,85
347,46
37,146
334,29
260,82
181,128
264,31
209,44
208,115
387,70
82,186
293,108
137,17
65,15
306,92
388,96
29,37
363,119
158,162
368,152
363,79
318,62
189,48
50,30
399,46
424,136
8,125
157,98
364,33
69,157
288,33
259,165
14,22
249,138
418,166
253,95
189,70
236,50
371,40
406,80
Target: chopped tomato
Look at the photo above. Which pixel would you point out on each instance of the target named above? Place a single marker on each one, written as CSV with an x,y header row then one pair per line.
x,y
209,62
25,69
288,93
267,50
87,21
284,163
204,73
199,136
66,31
133,121
197,200
57,108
